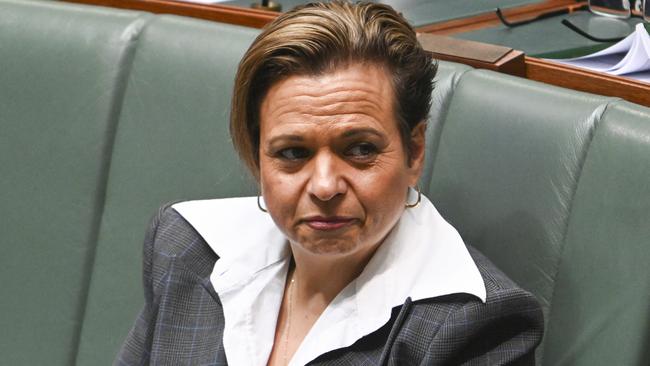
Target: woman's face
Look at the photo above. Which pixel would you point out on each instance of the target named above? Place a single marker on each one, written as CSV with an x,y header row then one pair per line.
x,y
333,170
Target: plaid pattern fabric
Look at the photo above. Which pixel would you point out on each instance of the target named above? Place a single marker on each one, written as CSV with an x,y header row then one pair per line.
x,y
182,319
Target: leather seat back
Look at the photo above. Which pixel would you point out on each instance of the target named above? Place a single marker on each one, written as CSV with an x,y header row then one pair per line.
x,y
507,168
172,144
106,114
62,74
600,313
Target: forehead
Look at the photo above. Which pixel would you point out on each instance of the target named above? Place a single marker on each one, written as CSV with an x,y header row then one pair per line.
x,y
358,94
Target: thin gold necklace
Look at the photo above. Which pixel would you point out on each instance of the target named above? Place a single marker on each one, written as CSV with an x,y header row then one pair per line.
x,y
288,326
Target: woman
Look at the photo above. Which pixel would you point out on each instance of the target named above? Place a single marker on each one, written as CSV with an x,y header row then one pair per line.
x,y
341,261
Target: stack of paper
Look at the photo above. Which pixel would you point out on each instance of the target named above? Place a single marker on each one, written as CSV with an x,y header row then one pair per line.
x,y
629,57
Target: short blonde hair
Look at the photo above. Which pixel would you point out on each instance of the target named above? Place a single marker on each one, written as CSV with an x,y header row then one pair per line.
x,y
320,37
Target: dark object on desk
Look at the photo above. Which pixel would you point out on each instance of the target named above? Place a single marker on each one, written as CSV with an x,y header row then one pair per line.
x,y
267,5
422,12
558,41
575,28
550,14
612,9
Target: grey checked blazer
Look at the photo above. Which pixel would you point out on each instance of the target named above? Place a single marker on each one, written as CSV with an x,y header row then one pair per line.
x,y
182,319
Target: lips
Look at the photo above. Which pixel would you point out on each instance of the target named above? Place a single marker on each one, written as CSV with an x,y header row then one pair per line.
x,y
328,223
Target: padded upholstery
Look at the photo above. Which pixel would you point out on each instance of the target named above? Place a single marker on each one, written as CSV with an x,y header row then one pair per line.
x,y
446,79
506,171
172,144
599,314
105,115
62,72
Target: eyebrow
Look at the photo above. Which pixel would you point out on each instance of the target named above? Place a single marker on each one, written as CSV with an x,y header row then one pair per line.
x,y
347,134
361,131
283,138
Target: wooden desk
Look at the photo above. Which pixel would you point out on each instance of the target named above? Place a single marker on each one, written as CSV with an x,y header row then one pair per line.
x,y
219,13
509,61
490,18
498,58
544,70
258,18
475,54
587,81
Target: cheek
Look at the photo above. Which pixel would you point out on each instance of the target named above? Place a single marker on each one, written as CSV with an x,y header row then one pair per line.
x,y
383,194
281,193
386,177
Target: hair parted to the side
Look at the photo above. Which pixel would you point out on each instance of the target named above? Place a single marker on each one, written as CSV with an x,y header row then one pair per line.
x,y
320,37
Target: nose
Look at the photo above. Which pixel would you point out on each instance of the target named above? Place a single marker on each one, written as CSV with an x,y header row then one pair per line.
x,y
326,180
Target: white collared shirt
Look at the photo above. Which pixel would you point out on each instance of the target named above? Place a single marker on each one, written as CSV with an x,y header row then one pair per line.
x,y
422,257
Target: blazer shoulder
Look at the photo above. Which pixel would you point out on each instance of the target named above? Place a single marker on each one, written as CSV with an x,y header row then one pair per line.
x,y
171,233
505,329
495,280
171,237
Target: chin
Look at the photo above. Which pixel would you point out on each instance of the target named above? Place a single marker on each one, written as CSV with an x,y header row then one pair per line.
x,y
330,247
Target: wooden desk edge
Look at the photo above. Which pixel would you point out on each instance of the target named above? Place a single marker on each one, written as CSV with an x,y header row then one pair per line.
x,y
247,17
258,18
588,81
475,54
511,61
488,19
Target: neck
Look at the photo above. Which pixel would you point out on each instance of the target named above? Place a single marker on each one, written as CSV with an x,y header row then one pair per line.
x,y
313,282
319,278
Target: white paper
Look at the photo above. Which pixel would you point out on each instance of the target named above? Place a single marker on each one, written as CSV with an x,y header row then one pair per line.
x,y
630,57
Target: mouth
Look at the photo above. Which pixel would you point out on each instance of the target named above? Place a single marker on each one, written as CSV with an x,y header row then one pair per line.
x,y
328,223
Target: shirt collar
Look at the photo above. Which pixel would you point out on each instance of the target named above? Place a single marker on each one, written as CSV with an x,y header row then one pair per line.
x,y
245,239
423,257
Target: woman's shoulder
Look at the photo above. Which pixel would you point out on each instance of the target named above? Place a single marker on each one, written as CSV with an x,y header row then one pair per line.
x,y
172,237
504,299
497,283
507,326
170,233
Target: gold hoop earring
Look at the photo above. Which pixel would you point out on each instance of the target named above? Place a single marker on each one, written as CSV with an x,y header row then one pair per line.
x,y
259,205
417,189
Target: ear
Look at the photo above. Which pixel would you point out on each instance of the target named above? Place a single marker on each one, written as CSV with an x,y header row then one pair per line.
x,y
416,148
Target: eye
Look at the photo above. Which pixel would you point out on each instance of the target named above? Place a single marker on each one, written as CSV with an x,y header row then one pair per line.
x,y
293,153
361,151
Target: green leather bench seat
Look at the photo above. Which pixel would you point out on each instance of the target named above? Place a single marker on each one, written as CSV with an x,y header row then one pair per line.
x,y
172,144
420,12
105,115
62,72
179,151
599,314
447,78
506,171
